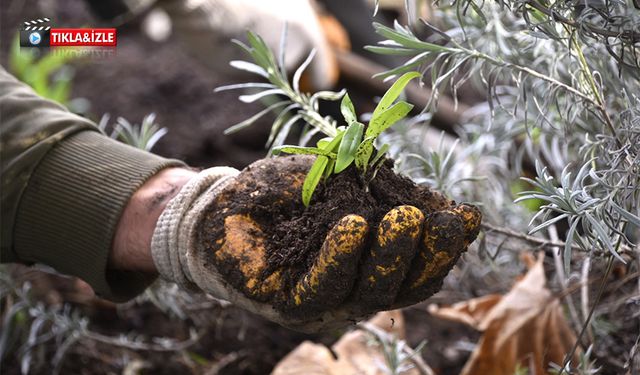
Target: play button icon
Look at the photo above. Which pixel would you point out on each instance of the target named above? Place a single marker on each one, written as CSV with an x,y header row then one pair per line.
x,y
35,38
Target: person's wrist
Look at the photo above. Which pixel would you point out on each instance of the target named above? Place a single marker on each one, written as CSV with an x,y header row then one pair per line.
x,y
131,249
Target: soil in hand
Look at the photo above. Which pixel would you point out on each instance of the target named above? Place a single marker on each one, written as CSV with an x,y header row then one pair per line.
x,y
269,191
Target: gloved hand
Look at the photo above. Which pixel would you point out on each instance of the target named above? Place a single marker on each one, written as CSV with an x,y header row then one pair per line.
x,y
207,239
207,26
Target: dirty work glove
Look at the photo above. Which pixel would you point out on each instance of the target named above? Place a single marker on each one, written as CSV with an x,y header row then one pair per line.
x,y
207,27
209,238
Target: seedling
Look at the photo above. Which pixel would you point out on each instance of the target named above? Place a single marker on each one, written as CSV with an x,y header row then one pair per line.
x,y
343,145
355,143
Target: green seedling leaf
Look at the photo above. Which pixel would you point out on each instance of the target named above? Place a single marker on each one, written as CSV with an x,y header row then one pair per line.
x,y
299,150
377,161
382,121
328,171
363,154
349,146
394,91
383,150
332,146
324,142
313,178
346,107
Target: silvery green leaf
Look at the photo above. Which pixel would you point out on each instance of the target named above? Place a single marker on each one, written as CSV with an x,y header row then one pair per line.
x,y
548,223
249,67
298,74
250,98
250,85
252,119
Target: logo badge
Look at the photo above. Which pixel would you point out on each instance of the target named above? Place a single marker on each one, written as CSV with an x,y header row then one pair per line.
x,y
35,33
35,38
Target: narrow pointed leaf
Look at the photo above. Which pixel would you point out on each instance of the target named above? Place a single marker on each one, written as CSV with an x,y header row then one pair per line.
x,y
363,154
249,67
298,74
346,107
252,119
349,146
395,51
394,91
332,147
384,120
250,98
298,150
383,150
313,178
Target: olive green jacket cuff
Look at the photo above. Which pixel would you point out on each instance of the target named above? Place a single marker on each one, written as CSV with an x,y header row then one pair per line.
x,y
70,208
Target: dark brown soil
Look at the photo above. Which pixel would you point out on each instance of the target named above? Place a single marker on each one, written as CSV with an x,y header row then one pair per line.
x,y
295,233
296,241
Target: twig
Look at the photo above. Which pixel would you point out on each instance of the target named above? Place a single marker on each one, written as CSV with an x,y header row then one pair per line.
x,y
570,355
628,35
225,361
638,261
133,345
511,233
623,249
559,264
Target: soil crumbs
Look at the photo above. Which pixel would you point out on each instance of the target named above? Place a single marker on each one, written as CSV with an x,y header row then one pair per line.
x,y
297,239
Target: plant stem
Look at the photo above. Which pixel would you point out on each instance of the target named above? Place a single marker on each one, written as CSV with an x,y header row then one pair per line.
x,y
523,236
628,35
595,303
600,105
533,73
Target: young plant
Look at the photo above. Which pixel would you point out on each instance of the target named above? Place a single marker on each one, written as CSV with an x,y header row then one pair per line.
x,y
291,105
342,145
143,136
354,144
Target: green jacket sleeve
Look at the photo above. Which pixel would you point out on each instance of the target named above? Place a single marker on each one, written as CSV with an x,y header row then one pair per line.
x,y
64,186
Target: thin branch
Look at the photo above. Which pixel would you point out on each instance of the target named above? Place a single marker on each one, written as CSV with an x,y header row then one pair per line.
x,y
623,249
523,236
533,73
133,345
629,36
560,266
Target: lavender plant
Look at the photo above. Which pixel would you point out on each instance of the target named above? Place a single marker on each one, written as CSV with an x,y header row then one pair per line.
x,y
562,84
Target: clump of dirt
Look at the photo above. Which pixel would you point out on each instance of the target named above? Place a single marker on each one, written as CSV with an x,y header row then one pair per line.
x,y
269,191
297,240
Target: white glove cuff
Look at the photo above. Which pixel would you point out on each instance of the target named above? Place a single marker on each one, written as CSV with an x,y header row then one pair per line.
x,y
171,237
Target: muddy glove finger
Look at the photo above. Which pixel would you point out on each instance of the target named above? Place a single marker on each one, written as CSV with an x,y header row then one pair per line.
x,y
386,264
446,235
242,259
330,280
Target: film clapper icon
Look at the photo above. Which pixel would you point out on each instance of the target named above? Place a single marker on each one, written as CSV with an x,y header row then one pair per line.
x,y
35,33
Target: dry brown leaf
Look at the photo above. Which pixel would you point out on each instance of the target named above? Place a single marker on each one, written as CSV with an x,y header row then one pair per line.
x,y
525,327
354,354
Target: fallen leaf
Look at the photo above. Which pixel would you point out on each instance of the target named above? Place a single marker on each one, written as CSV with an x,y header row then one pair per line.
x,y
525,328
354,353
